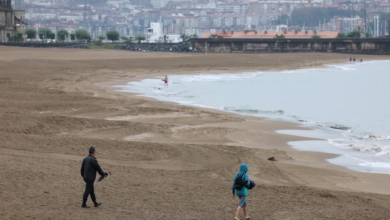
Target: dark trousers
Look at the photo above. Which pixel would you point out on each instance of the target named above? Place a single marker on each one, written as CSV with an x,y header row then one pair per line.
x,y
89,190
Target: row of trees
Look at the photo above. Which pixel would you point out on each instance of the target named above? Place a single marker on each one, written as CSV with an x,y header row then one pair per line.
x,y
114,36
357,33
46,33
18,37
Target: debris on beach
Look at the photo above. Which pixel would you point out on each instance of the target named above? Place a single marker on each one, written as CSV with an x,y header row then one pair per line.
x,y
272,159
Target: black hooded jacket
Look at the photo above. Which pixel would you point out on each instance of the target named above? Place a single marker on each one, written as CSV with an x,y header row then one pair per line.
x,y
89,168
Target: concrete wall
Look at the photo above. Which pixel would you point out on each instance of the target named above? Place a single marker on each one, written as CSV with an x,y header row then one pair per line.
x,y
34,44
364,46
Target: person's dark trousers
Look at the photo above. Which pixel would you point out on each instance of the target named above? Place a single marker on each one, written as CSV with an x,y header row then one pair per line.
x,y
89,190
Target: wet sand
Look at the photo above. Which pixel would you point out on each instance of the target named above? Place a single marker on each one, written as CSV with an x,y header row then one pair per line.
x,y
168,161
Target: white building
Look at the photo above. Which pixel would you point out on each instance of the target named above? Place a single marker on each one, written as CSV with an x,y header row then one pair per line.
x,y
155,34
159,3
42,15
70,17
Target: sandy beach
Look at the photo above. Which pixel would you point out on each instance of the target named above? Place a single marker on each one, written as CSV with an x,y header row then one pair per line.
x,y
168,161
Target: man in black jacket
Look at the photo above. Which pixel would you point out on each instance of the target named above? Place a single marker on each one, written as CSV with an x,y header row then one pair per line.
x,y
88,171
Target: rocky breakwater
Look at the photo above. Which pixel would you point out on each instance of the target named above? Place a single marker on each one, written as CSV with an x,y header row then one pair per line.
x,y
164,47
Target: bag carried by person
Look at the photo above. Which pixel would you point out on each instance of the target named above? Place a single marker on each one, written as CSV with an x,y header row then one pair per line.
x,y
252,184
240,182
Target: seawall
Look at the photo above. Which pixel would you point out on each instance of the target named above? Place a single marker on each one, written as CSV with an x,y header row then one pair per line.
x,y
355,46
43,45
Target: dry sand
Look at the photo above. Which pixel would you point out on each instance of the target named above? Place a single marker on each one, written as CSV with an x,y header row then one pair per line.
x,y
168,161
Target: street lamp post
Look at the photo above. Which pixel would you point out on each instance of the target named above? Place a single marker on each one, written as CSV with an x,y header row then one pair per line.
x,y
365,17
279,18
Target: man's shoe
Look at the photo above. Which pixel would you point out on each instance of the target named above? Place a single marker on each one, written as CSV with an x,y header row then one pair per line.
x,y
98,204
85,207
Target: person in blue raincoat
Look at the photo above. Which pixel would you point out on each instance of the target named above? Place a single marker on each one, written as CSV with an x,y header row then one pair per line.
x,y
241,179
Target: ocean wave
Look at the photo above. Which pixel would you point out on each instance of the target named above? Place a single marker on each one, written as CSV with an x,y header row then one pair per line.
x,y
254,111
375,148
372,137
291,71
218,77
375,164
327,125
346,67
340,127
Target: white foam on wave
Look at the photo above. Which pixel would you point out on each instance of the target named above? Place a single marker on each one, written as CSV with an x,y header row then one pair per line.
x,y
375,164
377,145
346,67
371,137
290,71
217,77
378,148
251,111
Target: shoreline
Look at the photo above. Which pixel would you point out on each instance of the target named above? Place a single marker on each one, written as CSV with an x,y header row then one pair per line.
x,y
335,155
318,160
55,107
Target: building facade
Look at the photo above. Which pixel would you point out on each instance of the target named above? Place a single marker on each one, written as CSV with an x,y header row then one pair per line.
x,y
345,25
11,21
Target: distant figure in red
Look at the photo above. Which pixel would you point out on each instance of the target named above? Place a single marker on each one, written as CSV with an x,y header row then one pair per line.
x,y
165,81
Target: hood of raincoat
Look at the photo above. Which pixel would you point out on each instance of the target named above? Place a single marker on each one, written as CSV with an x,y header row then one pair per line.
x,y
243,168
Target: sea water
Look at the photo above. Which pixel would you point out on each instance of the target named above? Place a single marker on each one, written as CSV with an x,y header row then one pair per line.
x,y
347,104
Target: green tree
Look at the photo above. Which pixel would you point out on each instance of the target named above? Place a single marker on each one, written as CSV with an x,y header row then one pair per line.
x,y
341,35
367,35
279,37
355,33
184,37
62,34
283,19
52,36
124,38
316,36
112,35
140,38
19,37
165,37
101,38
130,40
31,33
83,35
10,38
45,33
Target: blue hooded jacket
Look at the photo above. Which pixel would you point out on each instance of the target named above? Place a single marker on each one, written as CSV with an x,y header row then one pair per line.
x,y
243,171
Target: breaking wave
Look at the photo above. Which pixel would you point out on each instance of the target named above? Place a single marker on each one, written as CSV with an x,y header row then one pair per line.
x,y
380,146
253,111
